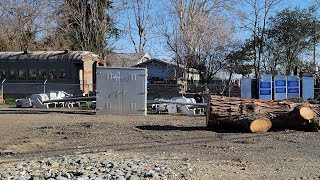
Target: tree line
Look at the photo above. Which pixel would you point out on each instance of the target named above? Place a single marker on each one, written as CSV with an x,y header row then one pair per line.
x,y
84,25
233,36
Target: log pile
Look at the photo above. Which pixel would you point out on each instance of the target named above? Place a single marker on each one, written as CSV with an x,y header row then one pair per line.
x,y
257,115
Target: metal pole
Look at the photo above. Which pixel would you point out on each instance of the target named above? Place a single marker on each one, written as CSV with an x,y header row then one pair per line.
x,y
44,86
314,45
2,88
88,90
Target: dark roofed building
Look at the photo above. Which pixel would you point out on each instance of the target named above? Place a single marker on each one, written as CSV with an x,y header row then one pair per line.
x,y
126,59
164,70
157,69
63,67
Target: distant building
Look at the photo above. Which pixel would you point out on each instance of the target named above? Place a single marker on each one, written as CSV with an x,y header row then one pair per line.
x,y
163,70
158,70
126,59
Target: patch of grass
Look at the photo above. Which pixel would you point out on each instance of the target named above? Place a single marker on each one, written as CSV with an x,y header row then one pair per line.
x,y
10,101
86,104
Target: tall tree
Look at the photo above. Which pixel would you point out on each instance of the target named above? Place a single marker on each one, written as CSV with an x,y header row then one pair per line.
x,y
256,22
87,24
24,22
198,33
273,59
293,32
138,22
238,61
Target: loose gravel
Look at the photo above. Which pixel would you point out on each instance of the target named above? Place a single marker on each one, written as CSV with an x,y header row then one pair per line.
x,y
92,166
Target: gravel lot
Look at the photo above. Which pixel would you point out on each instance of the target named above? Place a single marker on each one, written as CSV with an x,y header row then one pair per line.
x,y
79,146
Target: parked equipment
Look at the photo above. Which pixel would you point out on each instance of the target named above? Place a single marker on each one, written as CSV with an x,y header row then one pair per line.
x,y
180,104
23,103
52,99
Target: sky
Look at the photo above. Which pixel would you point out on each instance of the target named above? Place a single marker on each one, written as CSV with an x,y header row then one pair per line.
x,y
156,46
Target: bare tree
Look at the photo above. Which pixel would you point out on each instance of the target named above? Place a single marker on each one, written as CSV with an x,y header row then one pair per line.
x,y
138,22
198,32
256,23
23,22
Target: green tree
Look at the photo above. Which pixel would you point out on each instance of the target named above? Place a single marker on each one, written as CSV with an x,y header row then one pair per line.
x,y
239,59
87,25
291,34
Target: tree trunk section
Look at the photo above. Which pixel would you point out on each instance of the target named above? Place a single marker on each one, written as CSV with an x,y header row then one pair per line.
x,y
257,115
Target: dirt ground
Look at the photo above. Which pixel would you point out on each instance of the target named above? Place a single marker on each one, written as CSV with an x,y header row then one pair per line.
x,y
174,139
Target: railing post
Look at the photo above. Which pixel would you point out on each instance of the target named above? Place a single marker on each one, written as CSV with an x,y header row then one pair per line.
x,y
44,86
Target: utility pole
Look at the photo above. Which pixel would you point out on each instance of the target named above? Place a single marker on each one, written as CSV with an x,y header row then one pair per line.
x,y
314,44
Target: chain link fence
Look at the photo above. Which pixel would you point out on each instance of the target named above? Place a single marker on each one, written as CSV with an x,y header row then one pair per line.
x,y
23,90
170,90
166,91
1,93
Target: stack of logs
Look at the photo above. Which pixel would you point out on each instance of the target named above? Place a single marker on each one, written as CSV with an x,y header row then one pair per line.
x,y
260,116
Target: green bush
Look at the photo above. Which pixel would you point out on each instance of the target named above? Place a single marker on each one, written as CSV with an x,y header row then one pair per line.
x,y
10,101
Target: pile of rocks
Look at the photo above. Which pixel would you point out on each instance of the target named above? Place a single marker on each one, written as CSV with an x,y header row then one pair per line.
x,y
91,166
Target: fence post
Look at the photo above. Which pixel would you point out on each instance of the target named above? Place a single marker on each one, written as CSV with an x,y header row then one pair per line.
x,y
44,86
88,90
2,88
229,89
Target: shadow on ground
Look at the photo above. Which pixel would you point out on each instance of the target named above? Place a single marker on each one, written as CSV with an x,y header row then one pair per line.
x,y
218,129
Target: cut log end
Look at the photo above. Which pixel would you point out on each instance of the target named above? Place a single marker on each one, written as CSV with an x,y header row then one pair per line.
x,y
307,114
260,125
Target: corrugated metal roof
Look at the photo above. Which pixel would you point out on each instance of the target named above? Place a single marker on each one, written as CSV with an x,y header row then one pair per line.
x,y
47,56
